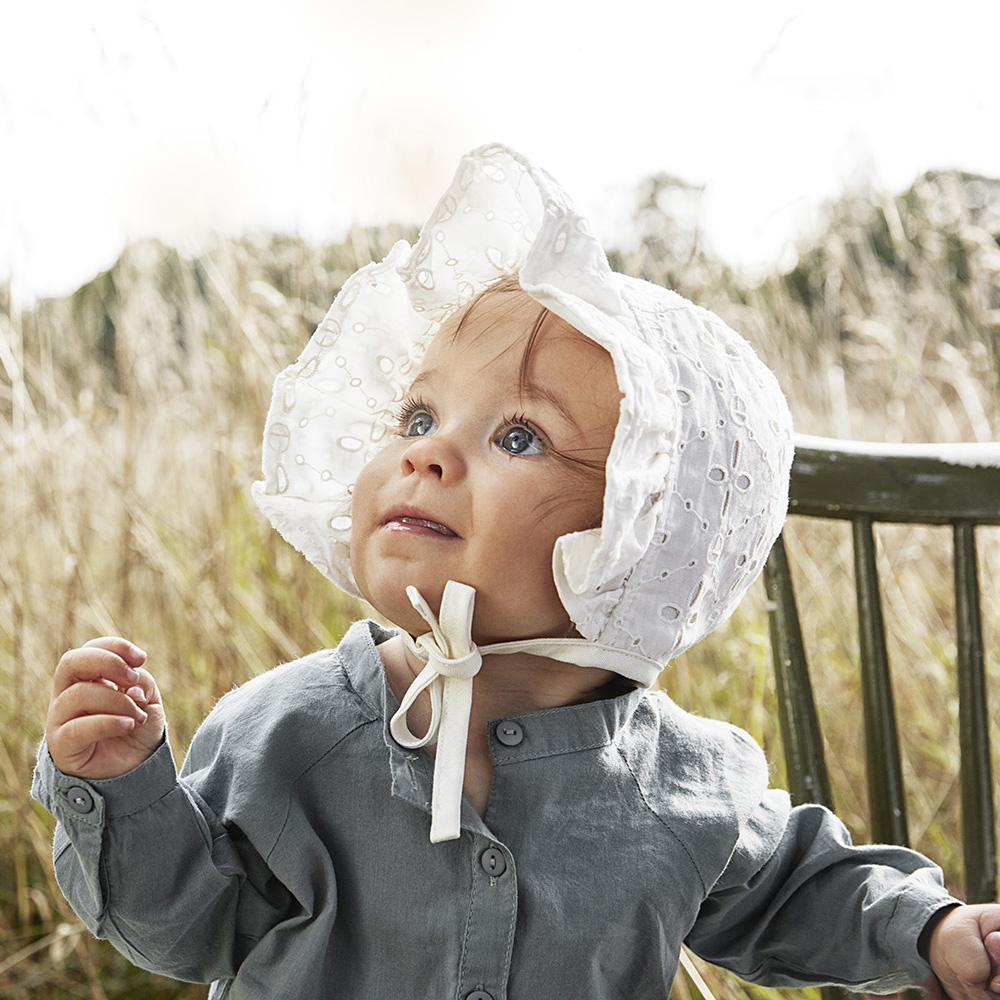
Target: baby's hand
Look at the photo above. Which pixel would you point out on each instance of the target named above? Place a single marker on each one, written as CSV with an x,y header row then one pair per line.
x,y
964,952
105,716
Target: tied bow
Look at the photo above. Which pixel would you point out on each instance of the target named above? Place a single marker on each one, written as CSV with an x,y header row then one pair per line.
x,y
452,660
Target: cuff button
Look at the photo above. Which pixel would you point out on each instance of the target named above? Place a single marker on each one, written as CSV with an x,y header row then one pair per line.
x,y
80,799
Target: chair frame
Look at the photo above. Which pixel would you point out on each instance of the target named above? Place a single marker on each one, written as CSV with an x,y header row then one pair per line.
x,y
956,485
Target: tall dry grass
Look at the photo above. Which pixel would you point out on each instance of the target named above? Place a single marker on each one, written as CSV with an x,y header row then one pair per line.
x,y
130,417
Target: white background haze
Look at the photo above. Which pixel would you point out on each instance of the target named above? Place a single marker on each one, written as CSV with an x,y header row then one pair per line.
x,y
123,120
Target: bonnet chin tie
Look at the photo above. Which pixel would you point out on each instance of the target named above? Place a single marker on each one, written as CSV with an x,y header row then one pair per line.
x,y
452,660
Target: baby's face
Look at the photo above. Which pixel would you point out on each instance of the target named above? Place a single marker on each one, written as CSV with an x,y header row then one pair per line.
x,y
484,474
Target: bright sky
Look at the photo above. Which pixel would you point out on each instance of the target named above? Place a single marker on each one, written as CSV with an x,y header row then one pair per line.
x,y
125,119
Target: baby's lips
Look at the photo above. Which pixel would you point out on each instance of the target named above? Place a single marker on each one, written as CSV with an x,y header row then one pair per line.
x,y
408,514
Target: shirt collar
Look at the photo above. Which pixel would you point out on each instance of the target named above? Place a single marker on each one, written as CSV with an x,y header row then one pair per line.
x,y
362,663
545,733
551,732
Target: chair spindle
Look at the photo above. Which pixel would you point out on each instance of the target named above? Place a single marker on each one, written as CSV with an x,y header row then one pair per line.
x,y
978,836
886,795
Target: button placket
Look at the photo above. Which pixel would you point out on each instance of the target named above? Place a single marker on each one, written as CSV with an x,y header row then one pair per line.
x,y
488,941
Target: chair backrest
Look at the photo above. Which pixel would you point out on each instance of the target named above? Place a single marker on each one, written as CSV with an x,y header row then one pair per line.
x,y
957,485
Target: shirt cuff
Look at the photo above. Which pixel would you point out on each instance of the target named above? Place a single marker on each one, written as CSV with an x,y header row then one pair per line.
x,y
82,804
923,898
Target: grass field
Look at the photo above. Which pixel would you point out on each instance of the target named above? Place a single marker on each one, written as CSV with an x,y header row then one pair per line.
x,y
130,417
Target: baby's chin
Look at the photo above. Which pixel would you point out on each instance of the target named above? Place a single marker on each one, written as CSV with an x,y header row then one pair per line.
x,y
402,615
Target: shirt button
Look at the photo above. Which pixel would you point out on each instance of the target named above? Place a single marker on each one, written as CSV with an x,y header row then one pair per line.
x,y
493,862
80,799
479,995
509,733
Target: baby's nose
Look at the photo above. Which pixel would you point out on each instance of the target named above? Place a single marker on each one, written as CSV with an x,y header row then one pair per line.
x,y
434,455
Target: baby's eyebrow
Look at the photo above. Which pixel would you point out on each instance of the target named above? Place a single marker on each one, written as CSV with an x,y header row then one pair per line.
x,y
421,379
538,393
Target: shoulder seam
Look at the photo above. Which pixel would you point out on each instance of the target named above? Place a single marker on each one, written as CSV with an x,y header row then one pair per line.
x,y
662,821
305,771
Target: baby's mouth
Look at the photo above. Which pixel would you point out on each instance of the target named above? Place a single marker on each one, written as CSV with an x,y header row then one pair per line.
x,y
406,522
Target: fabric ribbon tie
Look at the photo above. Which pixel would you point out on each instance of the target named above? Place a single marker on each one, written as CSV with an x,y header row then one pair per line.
x,y
452,660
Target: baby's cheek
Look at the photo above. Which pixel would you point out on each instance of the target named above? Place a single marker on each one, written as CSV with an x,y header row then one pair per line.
x,y
365,490
362,511
587,510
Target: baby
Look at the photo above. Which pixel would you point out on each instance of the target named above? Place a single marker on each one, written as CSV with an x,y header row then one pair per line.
x,y
551,479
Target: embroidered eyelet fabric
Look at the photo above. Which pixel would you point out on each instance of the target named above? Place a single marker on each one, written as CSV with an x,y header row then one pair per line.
x,y
697,477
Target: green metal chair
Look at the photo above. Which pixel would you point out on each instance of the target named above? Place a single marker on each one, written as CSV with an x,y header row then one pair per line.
x,y
958,485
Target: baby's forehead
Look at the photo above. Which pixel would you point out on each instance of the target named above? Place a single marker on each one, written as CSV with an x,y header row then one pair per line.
x,y
511,334
499,308
474,353
487,326
506,315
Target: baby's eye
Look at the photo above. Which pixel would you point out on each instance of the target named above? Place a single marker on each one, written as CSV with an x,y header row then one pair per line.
x,y
418,424
519,440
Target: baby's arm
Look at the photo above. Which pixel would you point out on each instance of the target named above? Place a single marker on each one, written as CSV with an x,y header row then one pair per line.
x,y
105,717
964,951
142,858
800,905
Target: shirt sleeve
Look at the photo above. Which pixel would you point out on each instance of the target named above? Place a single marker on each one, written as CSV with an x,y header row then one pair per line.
x,y
146,864
799,905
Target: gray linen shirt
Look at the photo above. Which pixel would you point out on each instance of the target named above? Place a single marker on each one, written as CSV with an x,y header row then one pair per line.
x,y
291,858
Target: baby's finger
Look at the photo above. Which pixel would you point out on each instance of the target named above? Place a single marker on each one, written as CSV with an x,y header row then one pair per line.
x,y
77,737
992,943
128,651
145,690
95,663
93,699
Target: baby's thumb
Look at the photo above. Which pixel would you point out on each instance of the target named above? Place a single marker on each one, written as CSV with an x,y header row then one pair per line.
x,y
992,943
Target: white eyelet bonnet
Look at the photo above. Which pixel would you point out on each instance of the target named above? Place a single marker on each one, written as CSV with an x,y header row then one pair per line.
x,y
697,477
